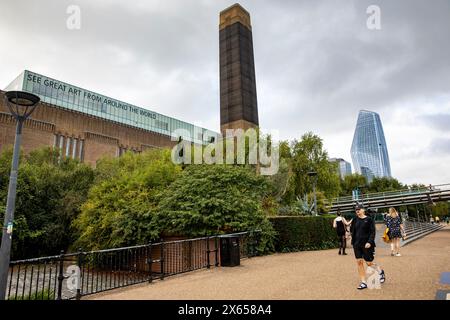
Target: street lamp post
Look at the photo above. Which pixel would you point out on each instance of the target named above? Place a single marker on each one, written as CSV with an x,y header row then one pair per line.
x,y
313,174
21,105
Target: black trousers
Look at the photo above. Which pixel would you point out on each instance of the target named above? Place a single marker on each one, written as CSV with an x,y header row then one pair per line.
x,y
342,242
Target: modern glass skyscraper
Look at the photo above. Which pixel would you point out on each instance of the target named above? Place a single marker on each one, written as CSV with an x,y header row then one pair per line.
x,y
369,151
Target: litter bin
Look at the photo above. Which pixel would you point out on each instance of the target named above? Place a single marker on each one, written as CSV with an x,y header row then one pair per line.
x,y
230,255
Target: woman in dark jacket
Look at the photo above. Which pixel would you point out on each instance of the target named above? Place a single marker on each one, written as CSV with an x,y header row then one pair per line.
x,y
340,224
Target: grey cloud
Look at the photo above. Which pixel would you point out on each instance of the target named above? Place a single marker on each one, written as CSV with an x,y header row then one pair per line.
x,y
438,121
316,62
440,146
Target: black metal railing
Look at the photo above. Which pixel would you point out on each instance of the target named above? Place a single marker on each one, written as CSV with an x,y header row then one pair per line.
x,y
73,275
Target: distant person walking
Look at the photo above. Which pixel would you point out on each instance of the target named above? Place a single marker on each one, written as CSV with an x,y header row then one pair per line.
x,y
396,231
340,224
363,240
438,220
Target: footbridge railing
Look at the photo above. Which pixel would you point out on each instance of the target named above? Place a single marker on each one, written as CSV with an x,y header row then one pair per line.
x,y
376,200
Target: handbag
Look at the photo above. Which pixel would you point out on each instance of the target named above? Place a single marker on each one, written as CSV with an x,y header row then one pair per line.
x,y
385,235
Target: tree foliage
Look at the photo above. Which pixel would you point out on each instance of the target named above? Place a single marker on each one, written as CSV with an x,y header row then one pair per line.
x,y
215,199
50,192
123,201
308,154
352,182
385,184
441,209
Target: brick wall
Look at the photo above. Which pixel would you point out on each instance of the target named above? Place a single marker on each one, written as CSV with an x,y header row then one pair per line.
x,y
73,131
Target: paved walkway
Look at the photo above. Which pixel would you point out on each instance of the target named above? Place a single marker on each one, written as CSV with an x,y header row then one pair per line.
x,y
308,275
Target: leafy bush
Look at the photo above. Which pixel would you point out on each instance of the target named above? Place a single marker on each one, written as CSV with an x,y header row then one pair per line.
x,y
123,200
215,199
304,233
50,192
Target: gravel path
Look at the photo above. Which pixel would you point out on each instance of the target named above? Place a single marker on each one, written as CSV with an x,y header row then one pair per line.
x,y
308,275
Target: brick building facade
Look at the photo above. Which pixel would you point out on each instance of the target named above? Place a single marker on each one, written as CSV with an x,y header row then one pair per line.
x,y
80,136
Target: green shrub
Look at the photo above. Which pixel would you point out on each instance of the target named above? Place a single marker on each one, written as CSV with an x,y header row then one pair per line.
x,y
50,193
215,199
304,233
122,201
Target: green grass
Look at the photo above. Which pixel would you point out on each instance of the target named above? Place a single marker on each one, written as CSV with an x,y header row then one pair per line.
x,y
44,294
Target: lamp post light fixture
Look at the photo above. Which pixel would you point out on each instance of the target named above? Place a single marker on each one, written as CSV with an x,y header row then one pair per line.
x,y
313,174
21,105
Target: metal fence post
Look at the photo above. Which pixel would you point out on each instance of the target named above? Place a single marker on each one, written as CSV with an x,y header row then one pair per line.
x,y
208,262
80,267
251,242
162,259
216,251
150,262
257,238
60,275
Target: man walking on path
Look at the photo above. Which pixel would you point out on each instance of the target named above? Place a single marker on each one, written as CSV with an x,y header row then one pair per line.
x,y
363,241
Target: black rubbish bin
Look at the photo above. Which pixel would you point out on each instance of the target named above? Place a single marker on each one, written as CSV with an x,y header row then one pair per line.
x,y
230,255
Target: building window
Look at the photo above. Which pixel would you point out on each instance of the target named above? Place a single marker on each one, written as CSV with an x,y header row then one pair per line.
x,y
74,148
68,144
81,150
55,142
61,143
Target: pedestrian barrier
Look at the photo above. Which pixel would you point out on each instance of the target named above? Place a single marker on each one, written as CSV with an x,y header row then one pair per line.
x,y
416,229
412,196
73,275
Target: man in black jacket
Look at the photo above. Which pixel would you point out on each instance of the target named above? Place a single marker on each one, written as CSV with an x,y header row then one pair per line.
x,y
363,241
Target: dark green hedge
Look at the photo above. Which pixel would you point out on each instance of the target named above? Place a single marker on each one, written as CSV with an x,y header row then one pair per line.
x,y
304,233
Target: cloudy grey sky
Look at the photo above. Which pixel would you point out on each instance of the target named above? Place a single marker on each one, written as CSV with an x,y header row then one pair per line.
x,y
317,64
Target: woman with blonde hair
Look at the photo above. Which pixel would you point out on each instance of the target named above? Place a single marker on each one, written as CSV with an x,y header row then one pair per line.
x,y
396,230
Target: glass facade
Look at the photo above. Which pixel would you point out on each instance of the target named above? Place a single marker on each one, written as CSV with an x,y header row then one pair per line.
x,y
369,151
75,98
344,167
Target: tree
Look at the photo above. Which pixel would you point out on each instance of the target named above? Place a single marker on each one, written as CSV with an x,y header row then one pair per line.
x,y
352,182
123,201
385,184
440,209
308,154
50,192
214,199
285,150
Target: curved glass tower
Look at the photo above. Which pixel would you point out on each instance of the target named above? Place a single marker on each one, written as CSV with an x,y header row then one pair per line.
x,y
369,151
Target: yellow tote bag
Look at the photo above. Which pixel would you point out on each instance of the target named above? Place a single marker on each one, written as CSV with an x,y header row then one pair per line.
x,y
385,236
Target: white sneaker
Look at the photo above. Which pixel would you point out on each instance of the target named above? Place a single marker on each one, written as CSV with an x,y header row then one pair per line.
x,y
398,255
